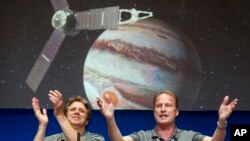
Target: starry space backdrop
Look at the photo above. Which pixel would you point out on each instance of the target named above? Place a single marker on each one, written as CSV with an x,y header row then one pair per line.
x,y
219,29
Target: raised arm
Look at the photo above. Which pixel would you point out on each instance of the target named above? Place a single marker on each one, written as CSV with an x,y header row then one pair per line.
x,y
57,100
42,119
225,111
107,109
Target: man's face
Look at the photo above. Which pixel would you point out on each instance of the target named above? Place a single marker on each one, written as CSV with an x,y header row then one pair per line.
x,y
77,114
165,110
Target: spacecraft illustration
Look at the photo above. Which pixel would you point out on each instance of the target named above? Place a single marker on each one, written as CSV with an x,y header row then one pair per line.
x,y
69,23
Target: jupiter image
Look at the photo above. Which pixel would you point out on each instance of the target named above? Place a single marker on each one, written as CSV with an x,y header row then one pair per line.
x,y
134,61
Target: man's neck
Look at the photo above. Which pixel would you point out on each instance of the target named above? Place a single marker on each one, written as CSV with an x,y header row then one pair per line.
x,y
78,129
165,132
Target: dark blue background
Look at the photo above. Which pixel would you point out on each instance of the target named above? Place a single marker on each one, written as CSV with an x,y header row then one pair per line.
x,y
21,124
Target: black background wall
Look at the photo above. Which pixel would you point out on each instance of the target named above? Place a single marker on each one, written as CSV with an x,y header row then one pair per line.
x,y
218,29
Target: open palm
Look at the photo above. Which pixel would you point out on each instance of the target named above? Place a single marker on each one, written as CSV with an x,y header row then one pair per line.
x,y
225,109
106,107
41,115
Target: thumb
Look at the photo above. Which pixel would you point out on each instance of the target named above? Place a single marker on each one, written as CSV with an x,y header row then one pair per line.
x,y
44,111
225,100
107,98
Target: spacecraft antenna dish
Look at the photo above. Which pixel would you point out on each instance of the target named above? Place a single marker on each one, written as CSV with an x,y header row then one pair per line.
x,y
69,23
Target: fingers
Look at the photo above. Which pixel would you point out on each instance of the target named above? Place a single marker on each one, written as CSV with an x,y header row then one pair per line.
x,y
225,100
233,103
44,112
55,96
35,104
107,98
99,102
34,100
36,107
226,108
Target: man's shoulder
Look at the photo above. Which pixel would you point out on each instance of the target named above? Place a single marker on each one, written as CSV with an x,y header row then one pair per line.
x,y
53,137
185,131
183,134
93,135
147,131
87,135
143,133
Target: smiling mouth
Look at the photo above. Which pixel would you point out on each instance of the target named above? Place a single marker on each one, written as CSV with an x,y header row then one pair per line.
x,y
164,116
76,118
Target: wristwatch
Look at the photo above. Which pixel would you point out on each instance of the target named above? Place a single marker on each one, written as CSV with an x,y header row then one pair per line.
x,y
221,127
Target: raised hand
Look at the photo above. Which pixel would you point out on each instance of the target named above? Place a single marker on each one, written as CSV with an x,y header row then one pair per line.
x,y
106,107
226,109
41,115
57,100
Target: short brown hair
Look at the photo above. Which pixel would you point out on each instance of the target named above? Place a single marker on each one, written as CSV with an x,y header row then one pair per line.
x,y
168,92
78,99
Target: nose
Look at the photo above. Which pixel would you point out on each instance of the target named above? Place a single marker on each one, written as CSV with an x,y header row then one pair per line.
x,y
163,108
77,111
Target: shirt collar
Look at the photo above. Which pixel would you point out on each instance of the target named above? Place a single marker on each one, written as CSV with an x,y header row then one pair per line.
x,y
156,137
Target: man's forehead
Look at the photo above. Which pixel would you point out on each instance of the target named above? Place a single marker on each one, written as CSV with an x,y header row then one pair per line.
x,y
77,104
164,97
